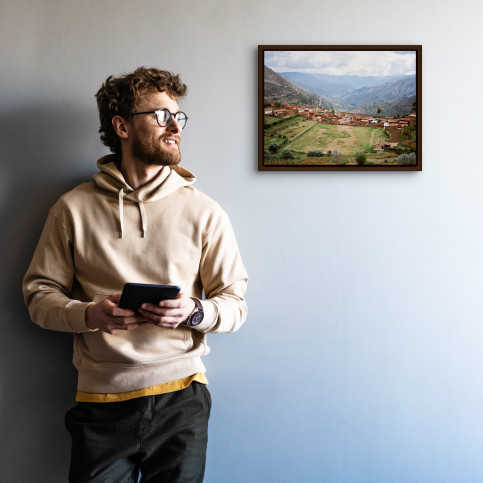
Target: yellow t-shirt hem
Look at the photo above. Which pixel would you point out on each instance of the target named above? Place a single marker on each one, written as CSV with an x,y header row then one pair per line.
x,y
165,388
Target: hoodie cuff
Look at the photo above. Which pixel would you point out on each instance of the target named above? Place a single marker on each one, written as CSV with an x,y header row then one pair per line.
x,y
210,316
75,312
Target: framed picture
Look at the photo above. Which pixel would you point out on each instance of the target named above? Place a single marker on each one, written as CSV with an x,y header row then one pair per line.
x,y
339,108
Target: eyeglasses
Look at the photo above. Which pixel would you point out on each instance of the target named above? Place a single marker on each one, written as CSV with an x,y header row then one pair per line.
x,y
164,116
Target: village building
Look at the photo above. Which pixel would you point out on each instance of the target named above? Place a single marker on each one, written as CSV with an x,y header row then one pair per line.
x,y
279,112
308,113
408,120
382,146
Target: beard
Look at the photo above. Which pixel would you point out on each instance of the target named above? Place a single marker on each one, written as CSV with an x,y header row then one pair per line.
x,y
153,153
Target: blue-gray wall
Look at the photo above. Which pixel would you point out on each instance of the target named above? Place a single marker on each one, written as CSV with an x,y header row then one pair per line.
x,y
361,360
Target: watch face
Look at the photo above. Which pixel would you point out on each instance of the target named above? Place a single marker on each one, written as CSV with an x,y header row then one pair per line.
x,y
195,319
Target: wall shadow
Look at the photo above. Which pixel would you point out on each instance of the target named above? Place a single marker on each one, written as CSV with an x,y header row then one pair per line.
x,y
37,379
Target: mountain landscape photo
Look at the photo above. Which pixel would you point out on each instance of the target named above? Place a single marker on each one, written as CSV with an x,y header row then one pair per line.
x,y
342,108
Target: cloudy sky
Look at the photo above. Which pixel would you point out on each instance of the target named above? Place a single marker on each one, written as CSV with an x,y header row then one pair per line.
x,y
364,63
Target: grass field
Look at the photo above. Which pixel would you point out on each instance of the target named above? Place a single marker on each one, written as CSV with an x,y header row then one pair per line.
x,y
297,128
276,128
346,139
290,130
272,119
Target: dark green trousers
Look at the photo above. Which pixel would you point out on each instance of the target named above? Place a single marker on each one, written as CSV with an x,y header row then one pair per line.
x,y
163,437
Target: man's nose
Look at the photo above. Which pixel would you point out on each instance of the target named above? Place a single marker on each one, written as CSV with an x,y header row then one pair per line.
x,y
173,126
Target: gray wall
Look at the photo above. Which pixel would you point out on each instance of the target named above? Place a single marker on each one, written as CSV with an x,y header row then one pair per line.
x,y
361,359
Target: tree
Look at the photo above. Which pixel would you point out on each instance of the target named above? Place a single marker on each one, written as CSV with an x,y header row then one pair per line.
x,y
286,154
314,154
360,158
336,156
379,110
407,159
273,147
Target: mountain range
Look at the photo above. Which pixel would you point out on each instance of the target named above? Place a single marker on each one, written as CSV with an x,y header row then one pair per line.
x,y
278,88
393,94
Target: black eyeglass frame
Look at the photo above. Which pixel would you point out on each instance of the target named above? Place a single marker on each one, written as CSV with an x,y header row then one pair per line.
x,y
171,115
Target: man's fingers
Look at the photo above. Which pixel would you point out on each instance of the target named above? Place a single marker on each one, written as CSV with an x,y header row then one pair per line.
x,y
167,304
108,317
170,317
109,306
168,311
117,312
163,314
172,303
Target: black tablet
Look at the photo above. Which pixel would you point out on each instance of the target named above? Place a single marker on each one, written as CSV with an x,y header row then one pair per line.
x,y
135,294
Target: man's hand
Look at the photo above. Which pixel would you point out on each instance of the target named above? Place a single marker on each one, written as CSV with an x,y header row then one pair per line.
x,y
169,313
108,317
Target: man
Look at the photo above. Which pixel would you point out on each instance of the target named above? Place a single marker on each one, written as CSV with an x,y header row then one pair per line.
x,y
142,401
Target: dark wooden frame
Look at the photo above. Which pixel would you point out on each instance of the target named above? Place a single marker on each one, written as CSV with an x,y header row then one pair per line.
x,y
261,51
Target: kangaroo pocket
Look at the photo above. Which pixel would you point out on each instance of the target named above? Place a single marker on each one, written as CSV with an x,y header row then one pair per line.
x,y
145,345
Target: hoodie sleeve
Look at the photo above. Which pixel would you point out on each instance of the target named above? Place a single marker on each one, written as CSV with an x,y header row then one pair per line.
x,y
224,280
49,280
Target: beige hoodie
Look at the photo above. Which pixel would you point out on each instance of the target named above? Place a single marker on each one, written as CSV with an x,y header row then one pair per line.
x,y
103,234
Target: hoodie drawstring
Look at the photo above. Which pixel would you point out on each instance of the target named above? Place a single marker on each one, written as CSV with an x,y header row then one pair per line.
x,y
121,212
142,212
143,217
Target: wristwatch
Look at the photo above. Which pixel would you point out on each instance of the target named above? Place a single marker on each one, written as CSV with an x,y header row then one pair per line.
x,y
196,316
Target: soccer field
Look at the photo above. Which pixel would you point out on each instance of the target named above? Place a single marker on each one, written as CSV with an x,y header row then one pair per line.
x,y
346,139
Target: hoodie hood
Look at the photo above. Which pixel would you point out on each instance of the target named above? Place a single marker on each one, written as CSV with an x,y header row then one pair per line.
x,y
110,178
169,179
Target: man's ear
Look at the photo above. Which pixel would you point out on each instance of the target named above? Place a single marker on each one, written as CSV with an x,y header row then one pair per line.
x,y
121,127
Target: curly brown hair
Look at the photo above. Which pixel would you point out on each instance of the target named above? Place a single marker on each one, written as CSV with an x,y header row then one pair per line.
x,y
118,96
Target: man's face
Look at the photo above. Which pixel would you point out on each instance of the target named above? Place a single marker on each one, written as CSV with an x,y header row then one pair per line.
x,y
152,144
